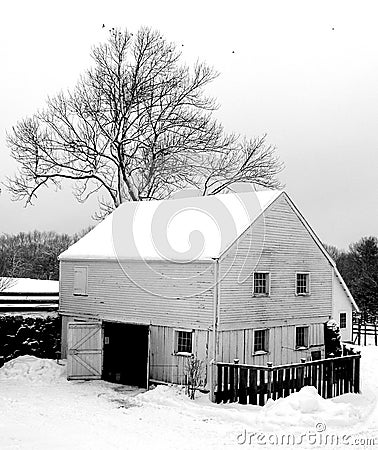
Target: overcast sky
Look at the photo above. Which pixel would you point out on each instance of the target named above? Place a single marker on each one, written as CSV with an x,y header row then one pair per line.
x,y
304,72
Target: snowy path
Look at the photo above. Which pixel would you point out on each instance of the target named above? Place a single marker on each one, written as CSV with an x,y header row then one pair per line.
x,y
97,415
39,409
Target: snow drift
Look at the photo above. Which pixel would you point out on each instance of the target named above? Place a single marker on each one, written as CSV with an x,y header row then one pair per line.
x,y
32,369
303,408
307,407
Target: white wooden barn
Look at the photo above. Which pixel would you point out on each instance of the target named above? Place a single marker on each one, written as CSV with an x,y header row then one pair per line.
x,y
137,297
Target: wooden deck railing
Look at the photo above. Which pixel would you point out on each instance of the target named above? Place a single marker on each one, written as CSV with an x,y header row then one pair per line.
x,y
256,384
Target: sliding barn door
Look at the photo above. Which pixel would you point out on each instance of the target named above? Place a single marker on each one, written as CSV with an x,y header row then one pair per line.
x,y
84,356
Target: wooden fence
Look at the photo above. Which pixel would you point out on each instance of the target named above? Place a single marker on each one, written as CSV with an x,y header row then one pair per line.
x,y
256,384
364,326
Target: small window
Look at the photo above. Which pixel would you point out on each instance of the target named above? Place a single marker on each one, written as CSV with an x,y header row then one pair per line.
x,y
261,283
80,281
261,341
303,284
343,320
184,342
301,337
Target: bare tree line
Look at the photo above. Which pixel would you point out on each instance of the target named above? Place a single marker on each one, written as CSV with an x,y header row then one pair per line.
x,y
32,255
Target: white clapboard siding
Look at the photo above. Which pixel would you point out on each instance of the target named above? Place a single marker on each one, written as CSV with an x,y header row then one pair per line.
x,y
167,296
277,243
177,295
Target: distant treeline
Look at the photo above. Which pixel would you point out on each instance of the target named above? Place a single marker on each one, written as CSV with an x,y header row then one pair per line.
x,y
34,254
359,267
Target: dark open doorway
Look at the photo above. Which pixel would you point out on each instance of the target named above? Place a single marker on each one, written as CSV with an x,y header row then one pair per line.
x,y
126,354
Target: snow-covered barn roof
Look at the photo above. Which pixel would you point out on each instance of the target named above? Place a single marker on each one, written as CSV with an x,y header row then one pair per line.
x,y
184,229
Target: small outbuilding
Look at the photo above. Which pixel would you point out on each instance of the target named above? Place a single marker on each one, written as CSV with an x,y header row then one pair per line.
x,y
231,276
28,295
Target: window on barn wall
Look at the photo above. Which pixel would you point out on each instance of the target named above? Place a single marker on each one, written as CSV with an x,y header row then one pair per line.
x,y
316,355
80,281
343,320
184,342
261,341
301,337
261,283
303,283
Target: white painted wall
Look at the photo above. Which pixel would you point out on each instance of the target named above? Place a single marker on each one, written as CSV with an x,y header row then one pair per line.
x,y
277,243
341,303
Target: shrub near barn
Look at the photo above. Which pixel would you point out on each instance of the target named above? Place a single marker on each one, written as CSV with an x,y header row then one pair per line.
x,y
29,335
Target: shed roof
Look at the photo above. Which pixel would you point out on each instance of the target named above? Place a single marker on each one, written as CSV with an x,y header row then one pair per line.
x,y
23,295
31,286
185,229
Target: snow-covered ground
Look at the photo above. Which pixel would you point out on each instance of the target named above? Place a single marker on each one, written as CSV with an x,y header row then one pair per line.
x,y
39,409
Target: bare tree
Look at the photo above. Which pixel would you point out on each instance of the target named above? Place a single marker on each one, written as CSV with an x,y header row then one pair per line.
x,y
6,283
9,262
333,251
137,126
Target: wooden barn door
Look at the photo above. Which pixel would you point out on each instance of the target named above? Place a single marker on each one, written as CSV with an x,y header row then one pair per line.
x,y
84,356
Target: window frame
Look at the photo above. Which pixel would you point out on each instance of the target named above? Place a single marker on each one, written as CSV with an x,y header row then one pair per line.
x,y
84,292
307,337
176,332
303,294
346,320
266,339
261,294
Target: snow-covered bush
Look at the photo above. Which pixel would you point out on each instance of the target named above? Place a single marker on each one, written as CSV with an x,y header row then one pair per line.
x,y
27,335
193,375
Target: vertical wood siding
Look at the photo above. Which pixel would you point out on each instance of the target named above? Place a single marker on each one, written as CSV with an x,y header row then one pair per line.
x,y
64,337
277,243
127,294
164,365
168,367
239,344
